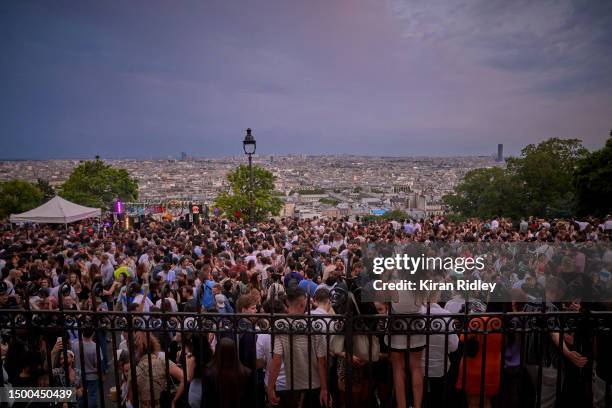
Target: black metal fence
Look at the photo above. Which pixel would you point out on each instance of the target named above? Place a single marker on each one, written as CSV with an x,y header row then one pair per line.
x,y
475,359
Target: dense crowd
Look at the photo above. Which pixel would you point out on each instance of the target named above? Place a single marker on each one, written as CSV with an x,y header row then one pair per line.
x,y
295,267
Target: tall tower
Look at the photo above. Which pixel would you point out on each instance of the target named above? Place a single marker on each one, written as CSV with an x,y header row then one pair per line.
x,y
500,152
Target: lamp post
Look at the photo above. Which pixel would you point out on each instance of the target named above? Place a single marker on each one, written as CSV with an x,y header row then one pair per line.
x,y
249,145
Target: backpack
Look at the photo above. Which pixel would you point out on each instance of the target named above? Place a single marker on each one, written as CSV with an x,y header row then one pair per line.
x,y
208,298
275,290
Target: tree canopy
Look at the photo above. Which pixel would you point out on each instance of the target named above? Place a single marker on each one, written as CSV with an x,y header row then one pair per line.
x,y
539,182
395,215
97,184
265,201
45,188
17,196
485,193
593,182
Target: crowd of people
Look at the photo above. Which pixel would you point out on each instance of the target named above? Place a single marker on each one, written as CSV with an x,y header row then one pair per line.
x,y
297,267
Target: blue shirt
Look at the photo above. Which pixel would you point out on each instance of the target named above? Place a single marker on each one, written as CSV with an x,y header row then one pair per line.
x,y
293,275
309,286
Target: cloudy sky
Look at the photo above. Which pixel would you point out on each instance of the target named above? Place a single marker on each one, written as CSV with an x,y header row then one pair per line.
x,y
395,77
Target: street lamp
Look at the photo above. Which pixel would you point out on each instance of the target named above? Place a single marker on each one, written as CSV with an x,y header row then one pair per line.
x,y
249,145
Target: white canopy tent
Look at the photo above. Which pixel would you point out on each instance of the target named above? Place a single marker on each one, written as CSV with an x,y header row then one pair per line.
x,y
57,211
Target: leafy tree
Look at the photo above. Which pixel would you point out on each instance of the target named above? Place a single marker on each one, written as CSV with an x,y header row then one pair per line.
x,y
392,215
546,174
485,193
96,184
45,188
17,196
265,202
593,184
396,215
310,191
329,201
540,182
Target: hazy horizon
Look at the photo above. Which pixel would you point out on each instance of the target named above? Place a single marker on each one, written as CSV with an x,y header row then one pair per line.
x,y
255,157
396,78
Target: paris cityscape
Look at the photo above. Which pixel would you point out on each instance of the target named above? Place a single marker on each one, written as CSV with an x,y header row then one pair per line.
x,y
310,186
306,204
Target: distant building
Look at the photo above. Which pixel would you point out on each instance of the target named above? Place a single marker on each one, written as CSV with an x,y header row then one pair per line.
x,y
183,156
500,152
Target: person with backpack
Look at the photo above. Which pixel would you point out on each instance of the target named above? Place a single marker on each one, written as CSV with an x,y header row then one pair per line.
x,y
293,277
276,289
205,291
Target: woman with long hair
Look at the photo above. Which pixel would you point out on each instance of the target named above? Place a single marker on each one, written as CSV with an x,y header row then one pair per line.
x,y
255,288
151,370
227,383
198,355
251,268
59,375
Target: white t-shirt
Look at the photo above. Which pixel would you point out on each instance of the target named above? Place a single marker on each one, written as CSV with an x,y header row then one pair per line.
x,y
455,304
263,351
173,305
324,248
437,344
144,258
582,225
138,299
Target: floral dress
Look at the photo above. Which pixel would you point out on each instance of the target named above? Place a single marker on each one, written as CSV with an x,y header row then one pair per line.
x,y
59,380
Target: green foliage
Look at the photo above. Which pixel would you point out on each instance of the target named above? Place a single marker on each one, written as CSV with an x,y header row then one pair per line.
x,y
369,218
96,184
392,215
396,215
45,188
265,202
17,196
593,181
329,201
546,173
357,189
540,182
309,191
485,193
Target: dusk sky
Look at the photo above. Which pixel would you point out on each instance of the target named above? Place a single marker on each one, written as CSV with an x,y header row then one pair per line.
x,y
391,77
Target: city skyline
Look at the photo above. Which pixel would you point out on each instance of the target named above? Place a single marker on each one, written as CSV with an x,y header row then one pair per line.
x,y
380,78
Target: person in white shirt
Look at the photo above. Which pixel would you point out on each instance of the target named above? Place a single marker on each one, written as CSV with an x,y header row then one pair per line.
x,y
146,259
437,364
171,301
107,270
494,224
324,307
338,241
324,247
264,348
267,251
414,345
138,299
607,226
582,225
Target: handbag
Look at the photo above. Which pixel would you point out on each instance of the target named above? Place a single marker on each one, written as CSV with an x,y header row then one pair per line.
x,y
361,343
